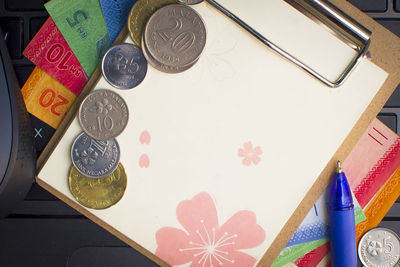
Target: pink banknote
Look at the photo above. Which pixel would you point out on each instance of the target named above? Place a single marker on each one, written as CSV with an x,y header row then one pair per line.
x,y
49,51
372,161
314,257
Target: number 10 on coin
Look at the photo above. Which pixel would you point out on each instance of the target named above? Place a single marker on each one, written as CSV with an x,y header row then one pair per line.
x,y
103,114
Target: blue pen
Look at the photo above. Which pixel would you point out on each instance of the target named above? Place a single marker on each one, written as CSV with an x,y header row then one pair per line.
x,y
342,227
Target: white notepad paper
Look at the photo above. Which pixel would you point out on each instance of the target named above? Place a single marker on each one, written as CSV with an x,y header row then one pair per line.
x,y
219,157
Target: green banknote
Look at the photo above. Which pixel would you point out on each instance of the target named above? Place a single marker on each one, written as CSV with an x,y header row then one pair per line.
x,y
82,24
291,253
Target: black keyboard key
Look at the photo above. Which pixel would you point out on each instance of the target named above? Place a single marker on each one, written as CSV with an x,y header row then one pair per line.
x,y
39,194
394,100
95,256
25,5
35,25
397,5
42,133
13,34
393,25
390,120
370,5
23,72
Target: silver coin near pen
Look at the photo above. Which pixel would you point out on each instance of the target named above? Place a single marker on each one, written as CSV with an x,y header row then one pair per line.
x,y
379,247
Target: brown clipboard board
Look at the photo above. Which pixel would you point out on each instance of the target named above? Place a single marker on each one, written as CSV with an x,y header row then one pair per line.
x,y
385,53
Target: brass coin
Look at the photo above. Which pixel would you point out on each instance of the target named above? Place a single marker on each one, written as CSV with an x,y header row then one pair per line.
x,y
139,15
98,193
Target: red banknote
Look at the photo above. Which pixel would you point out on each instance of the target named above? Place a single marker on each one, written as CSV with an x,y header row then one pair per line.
x,y
49,51
372,161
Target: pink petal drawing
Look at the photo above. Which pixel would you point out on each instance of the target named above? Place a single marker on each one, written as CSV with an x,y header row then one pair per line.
x,y
205,242
144,161
169,242
250,154
145,138
240,224
204,207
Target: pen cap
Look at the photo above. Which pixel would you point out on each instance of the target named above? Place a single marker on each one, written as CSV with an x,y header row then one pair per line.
x,y
340,195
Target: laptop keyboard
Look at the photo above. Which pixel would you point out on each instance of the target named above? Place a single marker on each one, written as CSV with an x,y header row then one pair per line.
x,y
60,225
370,5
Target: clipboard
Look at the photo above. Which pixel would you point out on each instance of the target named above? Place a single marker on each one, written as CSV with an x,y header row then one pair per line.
x,y
383,50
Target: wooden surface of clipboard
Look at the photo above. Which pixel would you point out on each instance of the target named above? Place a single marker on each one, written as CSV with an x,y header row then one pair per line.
x,y
385,52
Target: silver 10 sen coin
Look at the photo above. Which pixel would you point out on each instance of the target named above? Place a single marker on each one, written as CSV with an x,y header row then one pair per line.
x,y
379,247
103,114
175,36
124,66
94,158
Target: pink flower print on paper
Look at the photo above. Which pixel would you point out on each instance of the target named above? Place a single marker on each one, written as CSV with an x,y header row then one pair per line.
x,y
144,161
145,138
250,154
206,243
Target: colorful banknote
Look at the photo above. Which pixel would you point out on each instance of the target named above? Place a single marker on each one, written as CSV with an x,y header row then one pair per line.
x,y
291,253
374,211
375,183
376,157
314,257
82,24
315,225
380,204
313,231
116,14
49,51
46,98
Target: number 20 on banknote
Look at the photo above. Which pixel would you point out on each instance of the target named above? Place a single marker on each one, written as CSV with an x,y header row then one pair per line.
x,y
46,98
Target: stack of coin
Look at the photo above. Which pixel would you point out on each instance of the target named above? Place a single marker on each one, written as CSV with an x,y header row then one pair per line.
x,y
97,179
172,36
140,13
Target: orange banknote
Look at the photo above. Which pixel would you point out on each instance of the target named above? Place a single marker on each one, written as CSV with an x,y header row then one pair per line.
x,y
46,98
380,205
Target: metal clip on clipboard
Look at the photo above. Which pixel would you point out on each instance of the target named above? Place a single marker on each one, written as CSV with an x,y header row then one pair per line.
x,y
324,13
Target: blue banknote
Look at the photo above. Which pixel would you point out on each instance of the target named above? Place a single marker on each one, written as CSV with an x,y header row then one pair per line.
x,y
115,14
315,224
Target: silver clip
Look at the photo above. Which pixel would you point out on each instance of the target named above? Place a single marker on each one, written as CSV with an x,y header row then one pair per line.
x,y
326,14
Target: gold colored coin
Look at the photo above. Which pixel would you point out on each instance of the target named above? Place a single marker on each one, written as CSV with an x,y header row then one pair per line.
x,y
139,15
98,193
